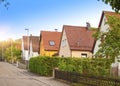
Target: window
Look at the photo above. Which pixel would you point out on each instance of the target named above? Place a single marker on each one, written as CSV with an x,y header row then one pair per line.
x,y
105,21
52,43
83,55
64,42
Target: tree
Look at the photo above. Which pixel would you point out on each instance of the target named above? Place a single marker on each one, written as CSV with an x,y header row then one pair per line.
x,y
110,45
115,4
13,54
10,50
5,2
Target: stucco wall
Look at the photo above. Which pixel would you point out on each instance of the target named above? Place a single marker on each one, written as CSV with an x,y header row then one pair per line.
x,y
103,28
64,50
79,53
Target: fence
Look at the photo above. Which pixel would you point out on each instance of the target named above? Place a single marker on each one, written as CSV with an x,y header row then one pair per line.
x,y
86,79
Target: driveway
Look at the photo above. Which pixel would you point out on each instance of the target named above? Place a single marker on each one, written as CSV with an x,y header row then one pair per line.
x,y
12,76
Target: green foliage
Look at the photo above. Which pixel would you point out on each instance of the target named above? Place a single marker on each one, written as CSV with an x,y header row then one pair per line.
x,y
10,50
43,65
97,66
110,46
12,53
115,4
5,3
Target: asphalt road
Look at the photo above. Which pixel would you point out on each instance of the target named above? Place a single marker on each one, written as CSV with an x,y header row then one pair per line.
x,y
12,76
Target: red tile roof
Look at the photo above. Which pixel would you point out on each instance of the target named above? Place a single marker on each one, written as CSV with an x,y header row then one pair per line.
x,y
35,43
48,36
25,42
79,38
108,13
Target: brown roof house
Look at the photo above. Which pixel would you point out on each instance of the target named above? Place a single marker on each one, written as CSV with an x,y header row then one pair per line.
x,y
34,46
25,47
76,41
103,26
49,43
30,47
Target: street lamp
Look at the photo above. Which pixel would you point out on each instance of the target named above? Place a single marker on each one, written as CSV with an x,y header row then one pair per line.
x,y
28,45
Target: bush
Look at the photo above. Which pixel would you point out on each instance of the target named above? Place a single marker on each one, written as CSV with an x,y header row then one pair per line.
x,y
97,66
43,65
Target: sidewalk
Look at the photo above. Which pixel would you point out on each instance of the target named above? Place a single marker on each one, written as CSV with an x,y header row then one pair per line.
x,y
50,81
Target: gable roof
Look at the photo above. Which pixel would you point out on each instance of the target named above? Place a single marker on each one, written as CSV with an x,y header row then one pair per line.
x,y
25,42
35,43
79,38
108,13
48,36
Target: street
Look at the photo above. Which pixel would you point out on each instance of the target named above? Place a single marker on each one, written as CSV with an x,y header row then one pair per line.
x,y
12,76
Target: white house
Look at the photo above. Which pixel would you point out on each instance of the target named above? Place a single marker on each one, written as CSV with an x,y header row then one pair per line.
x,y
103,26
25,48
30,47
34,46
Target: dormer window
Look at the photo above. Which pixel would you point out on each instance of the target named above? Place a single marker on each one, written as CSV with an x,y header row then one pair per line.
x,y
51,43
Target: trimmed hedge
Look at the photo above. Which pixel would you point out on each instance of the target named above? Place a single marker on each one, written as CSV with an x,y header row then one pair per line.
x,y
96,66
43,65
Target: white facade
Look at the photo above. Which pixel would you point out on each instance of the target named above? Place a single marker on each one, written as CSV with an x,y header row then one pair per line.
x,y
25,55
32,53
64,46
103,28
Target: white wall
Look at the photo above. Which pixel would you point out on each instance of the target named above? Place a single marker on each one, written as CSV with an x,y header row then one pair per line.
x,y
26,55
103,28
64,48
32,53
79,53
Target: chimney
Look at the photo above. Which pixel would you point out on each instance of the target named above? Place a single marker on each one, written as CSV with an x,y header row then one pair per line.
x,y
56,30
88,25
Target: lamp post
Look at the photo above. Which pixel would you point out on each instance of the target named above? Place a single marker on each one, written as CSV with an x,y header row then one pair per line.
x,y
28,45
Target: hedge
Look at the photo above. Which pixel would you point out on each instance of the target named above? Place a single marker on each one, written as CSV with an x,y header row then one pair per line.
x,y
45,65
96,66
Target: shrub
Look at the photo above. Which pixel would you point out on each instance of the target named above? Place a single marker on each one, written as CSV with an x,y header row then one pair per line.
x,y
94,66
43,65
97,66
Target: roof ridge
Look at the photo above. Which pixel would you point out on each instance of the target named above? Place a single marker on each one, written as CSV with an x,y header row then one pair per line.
x,y
48,31
74,26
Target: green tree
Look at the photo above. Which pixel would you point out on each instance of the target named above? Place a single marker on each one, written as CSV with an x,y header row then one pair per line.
x,y
5,3
110,41
13,54
115,4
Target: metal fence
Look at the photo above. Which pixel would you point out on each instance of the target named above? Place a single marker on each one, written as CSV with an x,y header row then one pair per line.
x,y
86,79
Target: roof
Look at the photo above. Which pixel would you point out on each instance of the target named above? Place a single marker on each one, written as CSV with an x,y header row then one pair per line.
x,y
108,13
79,38
25,42
35,43
48,36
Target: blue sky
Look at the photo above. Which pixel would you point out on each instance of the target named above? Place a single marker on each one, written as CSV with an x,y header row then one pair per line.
x,y
37,15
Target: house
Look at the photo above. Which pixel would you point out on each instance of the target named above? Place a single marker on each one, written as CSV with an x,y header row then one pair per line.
x,y
76,41
49,43
25,48
30,47
103,26
34,46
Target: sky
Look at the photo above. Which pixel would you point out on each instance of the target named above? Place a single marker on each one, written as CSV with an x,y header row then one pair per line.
x,y
39,15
